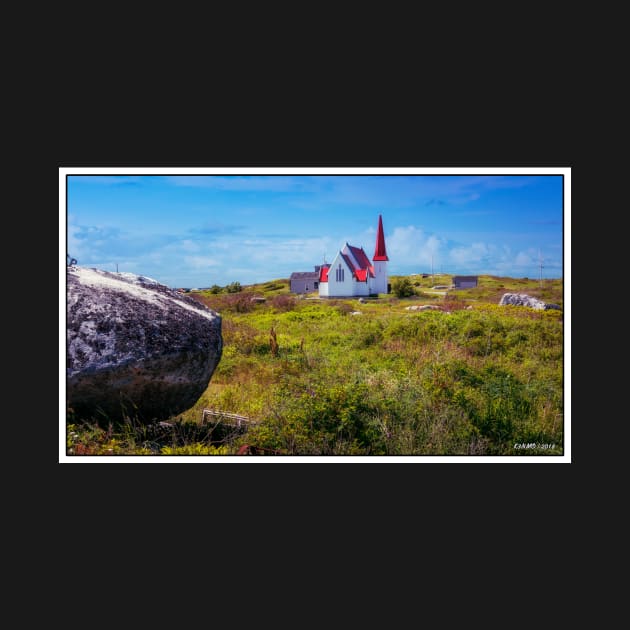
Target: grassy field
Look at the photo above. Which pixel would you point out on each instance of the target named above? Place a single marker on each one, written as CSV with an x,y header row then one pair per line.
x,y
339,377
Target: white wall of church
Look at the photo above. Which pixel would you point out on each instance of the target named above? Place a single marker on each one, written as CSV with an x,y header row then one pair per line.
x,y
361,288
338,287
347,289
342,286
379,283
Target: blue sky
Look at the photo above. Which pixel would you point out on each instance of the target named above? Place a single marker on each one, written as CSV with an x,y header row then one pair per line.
x,y
200,230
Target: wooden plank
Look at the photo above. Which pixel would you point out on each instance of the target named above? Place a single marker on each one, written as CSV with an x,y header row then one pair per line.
x,y
230,416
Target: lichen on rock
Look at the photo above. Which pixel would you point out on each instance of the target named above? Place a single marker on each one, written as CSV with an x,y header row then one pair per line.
x,y
135,347
522,299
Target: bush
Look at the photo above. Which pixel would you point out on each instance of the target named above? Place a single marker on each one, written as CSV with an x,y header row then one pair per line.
x,y
283,303
319,419
369,335
453,303
343,309
498,405
403,288
232,303
233,287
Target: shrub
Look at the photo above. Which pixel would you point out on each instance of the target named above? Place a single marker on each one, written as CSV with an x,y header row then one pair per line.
x,y
453,303
344,309
283,303
235,303
369,335
498,405
402,288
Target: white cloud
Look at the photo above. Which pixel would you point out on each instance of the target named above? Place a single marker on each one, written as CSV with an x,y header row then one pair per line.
x,y
190,246
201,262
412,246
523,260
474,253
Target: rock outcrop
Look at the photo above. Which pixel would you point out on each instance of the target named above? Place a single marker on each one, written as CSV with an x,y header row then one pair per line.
x,y
522,299
135,347
424,307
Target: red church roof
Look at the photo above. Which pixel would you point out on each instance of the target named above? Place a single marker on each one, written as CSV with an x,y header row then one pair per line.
x,y
349,263
364,262
380,253
359,274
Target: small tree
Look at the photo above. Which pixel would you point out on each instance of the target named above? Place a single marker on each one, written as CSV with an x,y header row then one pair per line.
x,y
215,289
402,287
234,287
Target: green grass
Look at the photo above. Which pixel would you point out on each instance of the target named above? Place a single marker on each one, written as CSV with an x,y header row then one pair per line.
x,y
458,381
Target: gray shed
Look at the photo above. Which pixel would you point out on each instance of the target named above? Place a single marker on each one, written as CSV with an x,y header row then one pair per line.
x,y
304,281
465,282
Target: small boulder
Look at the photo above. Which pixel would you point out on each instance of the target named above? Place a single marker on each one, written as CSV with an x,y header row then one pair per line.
x,y
423,307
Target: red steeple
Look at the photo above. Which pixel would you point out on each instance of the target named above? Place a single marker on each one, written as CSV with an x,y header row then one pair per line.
x,y
379,252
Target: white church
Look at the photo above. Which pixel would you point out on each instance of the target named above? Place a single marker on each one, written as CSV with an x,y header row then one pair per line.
x,y
352,274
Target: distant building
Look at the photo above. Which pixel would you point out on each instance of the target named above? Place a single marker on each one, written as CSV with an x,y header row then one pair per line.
x,y
304,281
465,282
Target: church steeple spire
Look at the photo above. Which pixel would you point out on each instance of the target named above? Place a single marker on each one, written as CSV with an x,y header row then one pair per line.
x,y
380,253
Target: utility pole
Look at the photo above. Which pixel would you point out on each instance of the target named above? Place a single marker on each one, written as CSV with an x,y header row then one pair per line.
x,y
116,267
540,263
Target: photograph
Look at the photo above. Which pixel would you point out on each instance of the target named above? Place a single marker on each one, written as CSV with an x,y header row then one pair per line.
x,y
268,315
